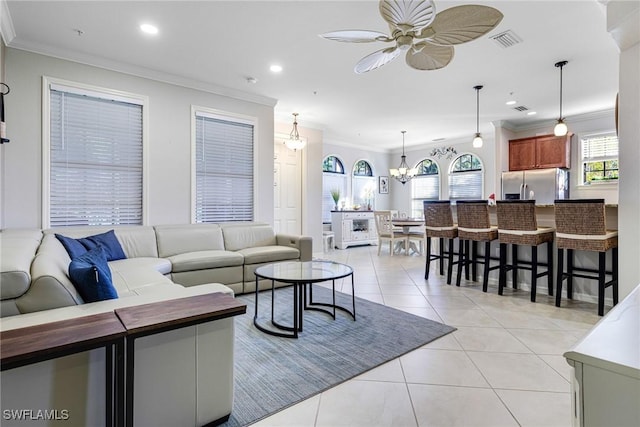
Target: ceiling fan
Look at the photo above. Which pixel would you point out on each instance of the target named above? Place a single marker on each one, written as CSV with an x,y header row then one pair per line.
x,y
427,38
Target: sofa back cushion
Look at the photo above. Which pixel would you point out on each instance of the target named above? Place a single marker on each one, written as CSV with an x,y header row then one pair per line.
x,y
239,236
180,239
136,240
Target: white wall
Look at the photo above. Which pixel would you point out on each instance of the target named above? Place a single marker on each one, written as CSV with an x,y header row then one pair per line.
x,y
169,138
623,23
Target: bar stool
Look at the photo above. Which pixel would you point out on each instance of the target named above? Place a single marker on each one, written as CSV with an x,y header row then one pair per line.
x,y
438,221
517,225
474,227
581,225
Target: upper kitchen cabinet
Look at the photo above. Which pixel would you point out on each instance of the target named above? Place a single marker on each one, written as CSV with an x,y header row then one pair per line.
x,y
540,152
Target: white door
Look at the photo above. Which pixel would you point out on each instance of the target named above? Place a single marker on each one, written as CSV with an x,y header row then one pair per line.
x,y
287,189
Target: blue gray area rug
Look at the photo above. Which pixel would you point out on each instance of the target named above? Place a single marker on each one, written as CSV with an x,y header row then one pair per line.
x,y
273,373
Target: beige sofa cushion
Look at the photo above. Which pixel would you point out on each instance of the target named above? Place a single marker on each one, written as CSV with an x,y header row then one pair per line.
x,y
161,265
204,260
262,254
247,235
136,240
180,239
17,248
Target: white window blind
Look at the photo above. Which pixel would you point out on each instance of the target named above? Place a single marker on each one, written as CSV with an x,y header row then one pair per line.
x,y
600,147
423,187
224,170
96,160
465,185
329,182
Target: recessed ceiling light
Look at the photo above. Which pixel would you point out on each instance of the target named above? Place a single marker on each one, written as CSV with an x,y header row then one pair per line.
x,y
531,113
276,68
512,102
149,29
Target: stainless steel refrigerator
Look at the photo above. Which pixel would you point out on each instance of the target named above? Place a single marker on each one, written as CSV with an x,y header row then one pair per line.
x,y
542,185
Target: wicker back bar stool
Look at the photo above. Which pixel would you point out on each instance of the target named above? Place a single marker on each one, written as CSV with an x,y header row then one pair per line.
x,y
517,225
581,226
438,222
473,227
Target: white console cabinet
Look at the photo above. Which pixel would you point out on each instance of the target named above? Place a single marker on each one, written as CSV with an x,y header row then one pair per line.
x,y
606,369
353,228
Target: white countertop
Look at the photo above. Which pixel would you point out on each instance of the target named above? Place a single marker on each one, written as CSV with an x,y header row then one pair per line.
x,y
614,342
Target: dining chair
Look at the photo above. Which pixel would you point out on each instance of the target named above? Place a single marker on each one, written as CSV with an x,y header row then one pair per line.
x,y
386,232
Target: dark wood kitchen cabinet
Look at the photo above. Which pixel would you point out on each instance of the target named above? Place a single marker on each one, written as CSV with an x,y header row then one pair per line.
x,y
540,152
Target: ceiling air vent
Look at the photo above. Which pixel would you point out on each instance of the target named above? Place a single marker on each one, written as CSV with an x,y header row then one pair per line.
x,y
521,108
507,39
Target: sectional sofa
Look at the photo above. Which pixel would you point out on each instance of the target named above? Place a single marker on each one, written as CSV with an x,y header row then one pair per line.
x,y
34,271
183,377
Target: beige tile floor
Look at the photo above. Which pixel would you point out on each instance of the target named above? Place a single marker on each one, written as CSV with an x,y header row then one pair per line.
x,y
502,367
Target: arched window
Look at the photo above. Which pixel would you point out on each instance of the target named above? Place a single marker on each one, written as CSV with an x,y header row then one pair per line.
x,y
363,184
424,186
466,178
333,181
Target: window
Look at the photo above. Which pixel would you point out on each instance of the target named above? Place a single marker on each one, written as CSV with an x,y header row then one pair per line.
x,y
93,156
363,184
223,156
465,178
599,158
425,186
333,179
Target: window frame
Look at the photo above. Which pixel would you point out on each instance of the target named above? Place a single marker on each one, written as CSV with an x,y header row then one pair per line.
x,y
362,181
415,212
344,184
96,92
583,160
227,116
480,171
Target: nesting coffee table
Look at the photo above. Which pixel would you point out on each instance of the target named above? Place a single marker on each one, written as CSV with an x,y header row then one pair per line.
x,y
302,275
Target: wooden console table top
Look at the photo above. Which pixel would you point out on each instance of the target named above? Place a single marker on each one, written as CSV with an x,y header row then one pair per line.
x,y
173,314
23,346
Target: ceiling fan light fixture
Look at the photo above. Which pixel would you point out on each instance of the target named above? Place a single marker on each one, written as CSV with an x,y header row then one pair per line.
x,y
560,128
477,139
294,142
403,172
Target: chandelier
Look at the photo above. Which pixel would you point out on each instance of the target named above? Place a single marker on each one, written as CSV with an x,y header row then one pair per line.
x,y
403,173
294,142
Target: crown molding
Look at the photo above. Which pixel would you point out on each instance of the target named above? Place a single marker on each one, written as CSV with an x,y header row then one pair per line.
x,y
6,24
143,72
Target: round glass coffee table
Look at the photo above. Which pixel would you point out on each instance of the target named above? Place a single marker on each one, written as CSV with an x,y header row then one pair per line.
x,y
302,275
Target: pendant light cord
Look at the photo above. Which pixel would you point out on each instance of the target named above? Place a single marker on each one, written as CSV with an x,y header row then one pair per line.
x,y
477,88
560,65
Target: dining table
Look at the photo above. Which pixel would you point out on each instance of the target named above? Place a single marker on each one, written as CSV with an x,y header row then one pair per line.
x,y
407,224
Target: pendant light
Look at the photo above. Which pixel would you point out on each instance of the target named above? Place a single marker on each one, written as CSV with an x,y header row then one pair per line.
x,y
403,173
561,127
477,140
294,142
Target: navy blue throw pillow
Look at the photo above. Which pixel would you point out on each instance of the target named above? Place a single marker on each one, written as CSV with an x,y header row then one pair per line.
x,y
91,276
109,241
74,247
